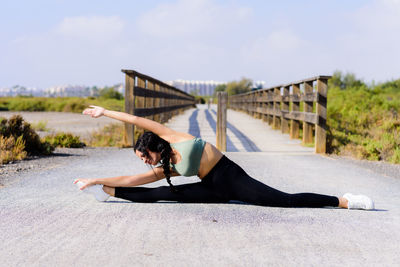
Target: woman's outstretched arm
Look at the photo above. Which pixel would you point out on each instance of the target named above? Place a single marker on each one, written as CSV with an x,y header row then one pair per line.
x,y
127,181
164,132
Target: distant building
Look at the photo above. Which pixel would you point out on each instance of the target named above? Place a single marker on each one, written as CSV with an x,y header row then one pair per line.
x,y
196,87
68,91
57,91
204,87
18,90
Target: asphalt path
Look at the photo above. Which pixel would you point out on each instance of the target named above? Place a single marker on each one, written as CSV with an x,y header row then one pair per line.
x,y
46,221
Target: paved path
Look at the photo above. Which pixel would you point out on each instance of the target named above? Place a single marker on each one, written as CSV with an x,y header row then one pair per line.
x,y
244,133
46,221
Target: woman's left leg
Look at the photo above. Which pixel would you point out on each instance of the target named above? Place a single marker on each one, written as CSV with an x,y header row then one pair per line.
x,y
244,188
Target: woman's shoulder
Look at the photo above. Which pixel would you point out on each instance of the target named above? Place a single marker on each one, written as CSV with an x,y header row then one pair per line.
x,y
181,137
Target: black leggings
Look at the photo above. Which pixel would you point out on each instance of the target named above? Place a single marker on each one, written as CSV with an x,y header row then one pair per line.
x,y
226,181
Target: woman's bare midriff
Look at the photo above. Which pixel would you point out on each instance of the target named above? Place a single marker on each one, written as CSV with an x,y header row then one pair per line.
x,y
211,155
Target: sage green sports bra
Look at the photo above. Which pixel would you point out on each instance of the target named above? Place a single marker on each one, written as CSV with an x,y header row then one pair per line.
x,y
191,152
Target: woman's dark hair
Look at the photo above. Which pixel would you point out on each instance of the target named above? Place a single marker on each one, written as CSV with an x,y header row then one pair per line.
x,y
154,143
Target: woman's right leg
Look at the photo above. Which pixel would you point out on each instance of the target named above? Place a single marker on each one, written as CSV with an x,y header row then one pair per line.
x,y
188,193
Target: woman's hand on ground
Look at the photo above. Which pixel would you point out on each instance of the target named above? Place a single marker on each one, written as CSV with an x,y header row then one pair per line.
x,y
87,182
94,111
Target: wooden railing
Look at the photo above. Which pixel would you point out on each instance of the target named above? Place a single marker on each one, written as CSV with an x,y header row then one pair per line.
x,y
280,107
153,99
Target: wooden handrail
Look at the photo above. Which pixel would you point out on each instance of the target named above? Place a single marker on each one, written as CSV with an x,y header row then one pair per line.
x,y
148,97
280,107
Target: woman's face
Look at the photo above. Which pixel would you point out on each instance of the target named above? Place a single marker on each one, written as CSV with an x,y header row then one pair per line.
x,y
152,159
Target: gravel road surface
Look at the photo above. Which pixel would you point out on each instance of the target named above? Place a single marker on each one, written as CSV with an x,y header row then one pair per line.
x,y
46,221
75,123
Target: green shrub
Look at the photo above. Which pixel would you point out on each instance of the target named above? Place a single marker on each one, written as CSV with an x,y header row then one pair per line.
x,y
64,140
363,121
11,149
16,127
110,93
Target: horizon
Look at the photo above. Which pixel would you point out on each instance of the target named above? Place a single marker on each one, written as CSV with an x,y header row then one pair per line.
x,y
85,44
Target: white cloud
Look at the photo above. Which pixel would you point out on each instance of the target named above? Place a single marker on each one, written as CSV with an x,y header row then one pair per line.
x,y
90,28
191,18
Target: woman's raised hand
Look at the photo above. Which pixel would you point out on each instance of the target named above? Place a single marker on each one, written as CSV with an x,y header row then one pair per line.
x,y
94,111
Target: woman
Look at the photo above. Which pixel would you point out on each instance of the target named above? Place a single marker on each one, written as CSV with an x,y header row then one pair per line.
x,y
182,154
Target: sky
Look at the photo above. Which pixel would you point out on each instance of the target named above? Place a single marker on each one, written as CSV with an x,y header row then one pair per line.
x,y
46,43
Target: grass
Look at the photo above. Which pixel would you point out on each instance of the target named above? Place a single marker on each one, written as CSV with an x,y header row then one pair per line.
x,y
40,126
110,135
60,104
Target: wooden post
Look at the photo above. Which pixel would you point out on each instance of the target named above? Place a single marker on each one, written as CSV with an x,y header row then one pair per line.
x,y
259,104
129,132
264,106
174,103
248,104
294,124
276,122
162,104
254,103
270,106
320,128
140,102
308,107
150,100
168,103
285,109
180,102
157,117
221,121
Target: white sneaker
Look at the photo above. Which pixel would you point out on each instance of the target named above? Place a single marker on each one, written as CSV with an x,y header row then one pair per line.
x,y
359,202
96,190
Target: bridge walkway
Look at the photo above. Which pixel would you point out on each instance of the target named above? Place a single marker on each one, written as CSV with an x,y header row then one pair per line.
x,y
244,133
